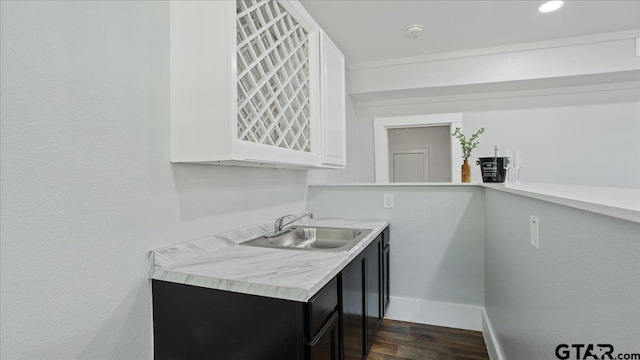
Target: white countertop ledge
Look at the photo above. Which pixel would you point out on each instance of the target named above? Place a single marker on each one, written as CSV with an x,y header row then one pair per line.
x,y
431,184
219,262
615,202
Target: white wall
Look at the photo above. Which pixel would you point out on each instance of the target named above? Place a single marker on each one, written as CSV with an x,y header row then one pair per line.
x,y
583,145
552,100
591,138
435,138
437,242
581,287
87,186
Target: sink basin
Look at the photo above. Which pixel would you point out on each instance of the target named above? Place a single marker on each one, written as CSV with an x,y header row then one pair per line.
x,y
312,238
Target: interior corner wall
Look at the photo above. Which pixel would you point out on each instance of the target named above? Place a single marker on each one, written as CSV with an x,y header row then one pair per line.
x,y
581,287
87,185
581,138
437,242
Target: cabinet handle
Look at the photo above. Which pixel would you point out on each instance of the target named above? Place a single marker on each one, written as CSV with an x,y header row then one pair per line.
x,y
327,326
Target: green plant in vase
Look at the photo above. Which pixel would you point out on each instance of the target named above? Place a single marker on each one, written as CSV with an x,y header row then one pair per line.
x,y
467,147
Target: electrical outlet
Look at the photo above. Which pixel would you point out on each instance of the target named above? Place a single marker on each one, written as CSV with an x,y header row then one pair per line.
x,y
388,201
534,230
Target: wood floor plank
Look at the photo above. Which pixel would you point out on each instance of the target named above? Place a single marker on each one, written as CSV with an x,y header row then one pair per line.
x,y
394,329
398,340
420,354
426,345
375,356
444,330
448,342
391,357
385,348
470,353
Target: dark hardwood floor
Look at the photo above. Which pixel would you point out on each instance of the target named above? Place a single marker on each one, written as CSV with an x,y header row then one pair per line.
x,y
397,340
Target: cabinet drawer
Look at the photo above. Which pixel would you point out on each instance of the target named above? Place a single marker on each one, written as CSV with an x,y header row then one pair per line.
x,y
322,305
326,344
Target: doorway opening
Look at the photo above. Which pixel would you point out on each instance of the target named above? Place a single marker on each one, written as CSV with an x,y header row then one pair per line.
x,y
419,154
415,149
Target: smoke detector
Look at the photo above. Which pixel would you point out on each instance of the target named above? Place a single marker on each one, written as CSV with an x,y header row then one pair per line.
x,y
413,30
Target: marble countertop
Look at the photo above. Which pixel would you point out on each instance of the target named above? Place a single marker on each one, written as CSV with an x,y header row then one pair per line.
x,y
219,262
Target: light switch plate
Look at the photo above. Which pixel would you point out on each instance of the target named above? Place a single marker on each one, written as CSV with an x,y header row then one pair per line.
x,y
534,227
388,201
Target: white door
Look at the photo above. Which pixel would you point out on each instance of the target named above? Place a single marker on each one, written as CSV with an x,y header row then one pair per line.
x,y
409,166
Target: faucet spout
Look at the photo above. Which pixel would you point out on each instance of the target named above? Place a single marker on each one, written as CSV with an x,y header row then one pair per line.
x,y
278,226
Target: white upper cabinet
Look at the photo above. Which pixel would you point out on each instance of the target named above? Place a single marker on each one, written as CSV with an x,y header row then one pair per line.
x,y
246,84
333,137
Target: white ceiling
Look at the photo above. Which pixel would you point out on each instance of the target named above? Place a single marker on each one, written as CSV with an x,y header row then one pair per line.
x,y
372,30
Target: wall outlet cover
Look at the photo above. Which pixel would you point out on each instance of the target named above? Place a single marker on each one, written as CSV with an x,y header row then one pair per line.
x,y
534,227
388,201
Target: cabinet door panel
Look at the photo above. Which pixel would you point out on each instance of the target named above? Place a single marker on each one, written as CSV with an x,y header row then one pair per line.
x,y
373,316
333,104
386,271
353,309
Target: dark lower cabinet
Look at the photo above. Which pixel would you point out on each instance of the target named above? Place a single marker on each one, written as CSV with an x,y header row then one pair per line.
x,y
373,289
365,297
339,323
191,322
385,272
326,344
323,324
353,311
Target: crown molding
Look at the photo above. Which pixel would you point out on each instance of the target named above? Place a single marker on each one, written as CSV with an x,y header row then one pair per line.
x,y
629,85
578,40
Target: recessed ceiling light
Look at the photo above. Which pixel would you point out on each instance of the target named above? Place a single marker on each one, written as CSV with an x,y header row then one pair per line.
x,y
413,30
550,6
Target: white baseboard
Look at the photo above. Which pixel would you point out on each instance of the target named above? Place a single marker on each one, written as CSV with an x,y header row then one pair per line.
x,y
436,313
490,338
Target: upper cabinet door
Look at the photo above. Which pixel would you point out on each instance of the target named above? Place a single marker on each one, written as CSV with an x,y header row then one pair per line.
x,y
333,151
277,81
245,82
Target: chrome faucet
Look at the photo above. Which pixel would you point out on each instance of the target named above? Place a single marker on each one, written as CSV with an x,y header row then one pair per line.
x,y
278,226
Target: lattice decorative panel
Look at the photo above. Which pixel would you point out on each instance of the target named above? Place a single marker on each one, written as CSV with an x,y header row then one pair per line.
x,y
273,76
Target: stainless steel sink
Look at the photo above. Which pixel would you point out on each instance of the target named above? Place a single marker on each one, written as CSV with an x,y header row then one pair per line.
x,y
312,238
